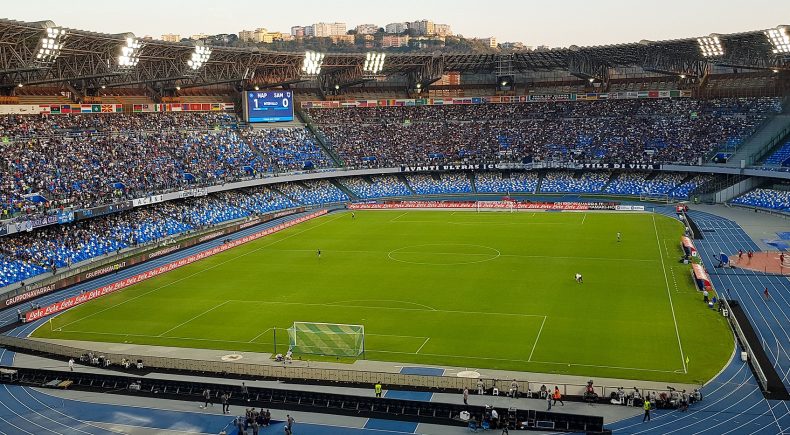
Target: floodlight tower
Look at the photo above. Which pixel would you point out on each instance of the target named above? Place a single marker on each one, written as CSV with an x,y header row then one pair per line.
x,y
311,66
780,40
711,47
50,46
373,65
198,59
129,53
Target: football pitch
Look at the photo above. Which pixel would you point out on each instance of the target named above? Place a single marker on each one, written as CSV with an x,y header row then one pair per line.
x,y
467,289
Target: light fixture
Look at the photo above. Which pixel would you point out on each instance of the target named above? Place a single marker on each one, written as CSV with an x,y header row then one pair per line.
x,y
130,54
312,63
257,88
50,46
503,83
683,76
374,63
199,58
775,70
710,46
419,85
19,85
780,39
103,86
178,88
591,80
337,87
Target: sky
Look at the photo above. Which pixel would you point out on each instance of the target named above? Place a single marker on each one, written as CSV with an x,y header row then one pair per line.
x,y
556,23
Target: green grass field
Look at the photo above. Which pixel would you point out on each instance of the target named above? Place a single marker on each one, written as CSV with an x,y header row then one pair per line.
x,y
467,289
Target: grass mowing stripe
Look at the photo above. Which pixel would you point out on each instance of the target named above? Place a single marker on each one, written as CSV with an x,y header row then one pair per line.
x,y
193,318
194,274
669,294
615,325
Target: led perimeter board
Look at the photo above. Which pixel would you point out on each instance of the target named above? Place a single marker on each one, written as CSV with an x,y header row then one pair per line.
x,y
269,106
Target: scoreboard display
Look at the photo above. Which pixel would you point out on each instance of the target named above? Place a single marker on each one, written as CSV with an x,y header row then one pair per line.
x,y
269,106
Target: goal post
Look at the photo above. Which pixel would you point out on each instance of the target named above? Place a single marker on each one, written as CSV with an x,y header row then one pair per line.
x,y
330,339
655,197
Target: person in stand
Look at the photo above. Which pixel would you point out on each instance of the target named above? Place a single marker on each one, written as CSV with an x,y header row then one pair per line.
x,y
494,418
481,388
558,396
646,407
245,394
377,389
466,396
548,402
71,364
514,389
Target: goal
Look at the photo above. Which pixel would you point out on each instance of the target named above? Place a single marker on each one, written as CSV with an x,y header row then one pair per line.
x,y
656,197
332,339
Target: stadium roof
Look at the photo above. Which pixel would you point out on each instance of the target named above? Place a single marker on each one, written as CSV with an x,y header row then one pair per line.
x,y
89,60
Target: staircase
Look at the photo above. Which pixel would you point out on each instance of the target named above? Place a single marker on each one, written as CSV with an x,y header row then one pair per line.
x,y
762,141
322,140
344,189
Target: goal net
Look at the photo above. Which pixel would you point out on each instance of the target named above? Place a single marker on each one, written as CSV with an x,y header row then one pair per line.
x,y
658,197
333,339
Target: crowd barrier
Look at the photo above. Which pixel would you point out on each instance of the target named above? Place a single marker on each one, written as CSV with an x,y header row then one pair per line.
x,y
295,372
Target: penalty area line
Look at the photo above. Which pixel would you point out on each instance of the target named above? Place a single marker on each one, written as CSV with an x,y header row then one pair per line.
x,y
423,345
537,337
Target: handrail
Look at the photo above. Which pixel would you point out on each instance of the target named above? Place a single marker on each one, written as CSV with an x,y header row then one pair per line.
x,y
770,146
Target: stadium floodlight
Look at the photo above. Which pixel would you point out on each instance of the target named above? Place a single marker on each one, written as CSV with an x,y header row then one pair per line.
x,y
130,53
710,46
374,63
50,46
200,57
312,63
780,39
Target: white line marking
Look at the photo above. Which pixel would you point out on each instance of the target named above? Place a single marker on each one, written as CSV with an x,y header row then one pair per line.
x,y
193,318
309,304
383,300
201,271
537,337
399,216
669,294
258,336
423,345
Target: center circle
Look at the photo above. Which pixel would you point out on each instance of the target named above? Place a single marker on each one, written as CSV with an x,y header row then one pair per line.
x,y
444,254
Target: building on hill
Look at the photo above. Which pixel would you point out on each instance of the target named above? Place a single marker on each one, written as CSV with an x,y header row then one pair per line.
x,y
171,37
367,29
396,28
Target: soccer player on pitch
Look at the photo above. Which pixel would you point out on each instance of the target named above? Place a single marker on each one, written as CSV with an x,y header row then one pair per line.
x,y
618,236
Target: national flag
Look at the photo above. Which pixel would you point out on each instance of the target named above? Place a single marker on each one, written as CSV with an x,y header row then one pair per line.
x,y
106,108
96,108
86,108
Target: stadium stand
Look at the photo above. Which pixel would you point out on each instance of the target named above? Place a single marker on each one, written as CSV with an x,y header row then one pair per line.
x,y
378,186
659,130
496,182
781,156
312,192
766,198
566,182
424,184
